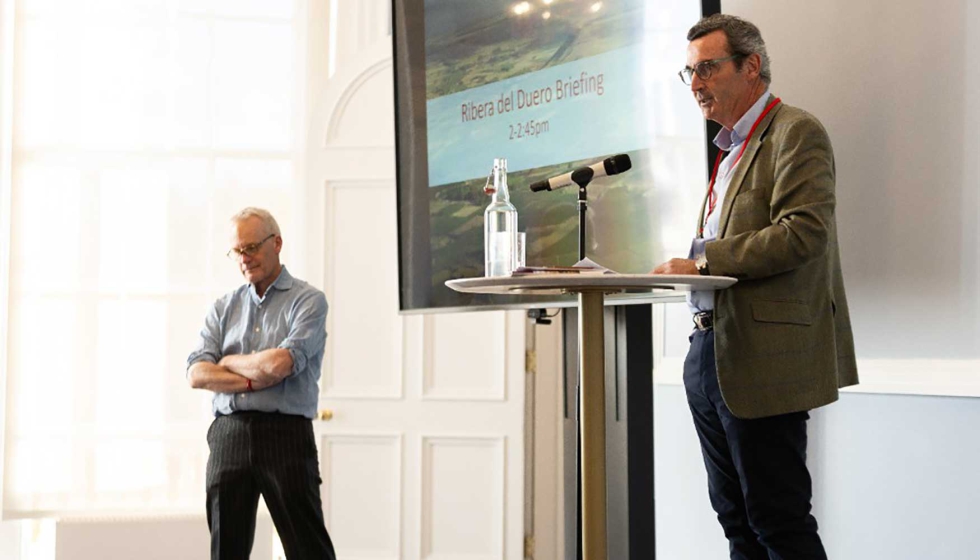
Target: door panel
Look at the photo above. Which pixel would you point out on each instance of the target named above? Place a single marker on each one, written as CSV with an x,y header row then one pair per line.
x,y
476,370
367,514
462,497
364,345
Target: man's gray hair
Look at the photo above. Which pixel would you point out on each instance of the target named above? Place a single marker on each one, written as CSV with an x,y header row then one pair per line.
x,y
744,39
270,223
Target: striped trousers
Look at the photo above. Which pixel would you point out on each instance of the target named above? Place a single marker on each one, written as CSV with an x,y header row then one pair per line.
x,y
274,455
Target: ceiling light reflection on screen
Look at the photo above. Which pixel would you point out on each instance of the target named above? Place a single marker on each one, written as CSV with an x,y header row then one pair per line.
x,y
522,8
546,15
596,7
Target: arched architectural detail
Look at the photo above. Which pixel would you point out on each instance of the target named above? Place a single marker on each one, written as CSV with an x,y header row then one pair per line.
x,y
357,76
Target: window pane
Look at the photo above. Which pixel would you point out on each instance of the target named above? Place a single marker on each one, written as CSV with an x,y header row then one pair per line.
x,y
276,9
252,174
188,215
73,10
127,465
47,229
130,367
254,8
49,75
37,466
124,93
133,230
46,365
190,81
196,7
253,76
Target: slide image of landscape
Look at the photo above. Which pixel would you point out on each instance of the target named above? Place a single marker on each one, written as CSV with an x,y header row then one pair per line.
x,y
470,44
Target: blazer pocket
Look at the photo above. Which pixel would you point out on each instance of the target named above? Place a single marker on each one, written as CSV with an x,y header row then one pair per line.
x,y
750,212
753,199
791,312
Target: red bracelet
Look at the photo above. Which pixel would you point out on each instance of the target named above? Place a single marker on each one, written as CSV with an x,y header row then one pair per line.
x,y
248,385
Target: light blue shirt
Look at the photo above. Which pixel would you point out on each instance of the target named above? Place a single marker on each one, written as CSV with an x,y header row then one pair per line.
x,y
729,141
291,315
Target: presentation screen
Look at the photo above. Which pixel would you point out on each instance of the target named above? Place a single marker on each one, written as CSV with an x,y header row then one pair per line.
x,y
551,86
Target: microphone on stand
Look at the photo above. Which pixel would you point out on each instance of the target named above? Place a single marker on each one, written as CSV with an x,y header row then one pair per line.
x,y
612,165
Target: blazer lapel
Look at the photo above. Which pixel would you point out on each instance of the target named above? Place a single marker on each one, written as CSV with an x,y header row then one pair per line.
x,y
704,205
742,168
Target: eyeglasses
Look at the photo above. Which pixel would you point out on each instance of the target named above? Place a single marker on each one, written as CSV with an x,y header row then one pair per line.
x,y
237,253
703,69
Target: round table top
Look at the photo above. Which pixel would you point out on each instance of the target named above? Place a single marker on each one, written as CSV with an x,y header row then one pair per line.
x,y
560,283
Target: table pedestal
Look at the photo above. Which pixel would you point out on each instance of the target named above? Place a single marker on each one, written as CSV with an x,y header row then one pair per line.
x,y
592,408
591,290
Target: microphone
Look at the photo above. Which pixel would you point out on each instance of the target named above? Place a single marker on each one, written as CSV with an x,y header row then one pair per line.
x,y
612,165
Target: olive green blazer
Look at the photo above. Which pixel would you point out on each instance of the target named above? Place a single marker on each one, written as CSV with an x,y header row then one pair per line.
x,y
783,340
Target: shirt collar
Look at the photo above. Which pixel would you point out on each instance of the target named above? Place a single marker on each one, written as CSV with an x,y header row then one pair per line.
x,y
282,282
728,139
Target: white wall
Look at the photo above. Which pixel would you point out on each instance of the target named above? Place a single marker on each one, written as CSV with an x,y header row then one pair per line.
x,y
894,477
897,84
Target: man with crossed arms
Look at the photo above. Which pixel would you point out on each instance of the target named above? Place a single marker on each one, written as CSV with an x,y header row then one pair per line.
x,y
778,343
260,352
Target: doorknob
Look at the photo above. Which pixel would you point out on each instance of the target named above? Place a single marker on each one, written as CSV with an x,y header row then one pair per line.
x,y
325,414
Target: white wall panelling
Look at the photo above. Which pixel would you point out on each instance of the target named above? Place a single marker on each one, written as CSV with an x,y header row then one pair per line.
x,y
410,378
462,507
364,347
476,370
361,25
369,94
364,518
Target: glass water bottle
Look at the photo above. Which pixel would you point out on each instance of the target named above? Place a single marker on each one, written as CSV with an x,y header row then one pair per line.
x,y
500,226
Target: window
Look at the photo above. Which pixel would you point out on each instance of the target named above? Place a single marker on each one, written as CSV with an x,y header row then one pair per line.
x,y
140,127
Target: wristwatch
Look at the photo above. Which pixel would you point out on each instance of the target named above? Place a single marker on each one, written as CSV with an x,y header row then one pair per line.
x,y
702,265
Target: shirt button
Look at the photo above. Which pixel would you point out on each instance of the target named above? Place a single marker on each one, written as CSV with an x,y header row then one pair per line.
x,y
256,329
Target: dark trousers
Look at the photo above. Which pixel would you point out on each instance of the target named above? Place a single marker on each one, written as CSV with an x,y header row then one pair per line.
x,y
273,455
758,480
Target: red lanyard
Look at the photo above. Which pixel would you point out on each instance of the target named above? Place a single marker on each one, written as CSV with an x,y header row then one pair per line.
x,y
712,196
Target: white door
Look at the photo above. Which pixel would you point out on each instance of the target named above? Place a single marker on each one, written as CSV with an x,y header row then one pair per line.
x,y
423,456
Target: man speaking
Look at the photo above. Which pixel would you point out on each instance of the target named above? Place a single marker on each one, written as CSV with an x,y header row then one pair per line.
x,y
778,343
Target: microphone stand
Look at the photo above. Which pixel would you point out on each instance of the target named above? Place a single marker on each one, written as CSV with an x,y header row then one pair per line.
x,y
582,178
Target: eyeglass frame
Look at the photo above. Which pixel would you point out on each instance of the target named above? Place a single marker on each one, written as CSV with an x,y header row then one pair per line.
x,y
708,65
237,253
